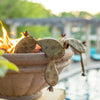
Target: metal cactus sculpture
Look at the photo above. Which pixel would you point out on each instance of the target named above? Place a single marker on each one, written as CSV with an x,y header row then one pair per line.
x,y
54,49
25,45
77,46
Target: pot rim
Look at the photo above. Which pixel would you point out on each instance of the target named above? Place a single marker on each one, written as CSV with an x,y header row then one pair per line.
x,y
30,59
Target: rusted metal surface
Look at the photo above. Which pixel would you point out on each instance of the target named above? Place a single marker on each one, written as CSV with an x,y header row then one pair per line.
x,y
76,44
51,74
79,47
26,45
52,48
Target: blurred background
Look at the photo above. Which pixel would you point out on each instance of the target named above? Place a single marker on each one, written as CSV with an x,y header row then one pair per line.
x,y
49,18
49,9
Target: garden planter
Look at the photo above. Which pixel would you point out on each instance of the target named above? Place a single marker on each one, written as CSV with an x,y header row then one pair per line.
x,y
28,82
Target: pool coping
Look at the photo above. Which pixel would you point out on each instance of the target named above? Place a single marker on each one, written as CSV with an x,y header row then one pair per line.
x,y
76,68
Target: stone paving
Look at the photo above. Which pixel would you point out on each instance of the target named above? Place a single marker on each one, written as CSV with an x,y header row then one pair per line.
x,y
75,67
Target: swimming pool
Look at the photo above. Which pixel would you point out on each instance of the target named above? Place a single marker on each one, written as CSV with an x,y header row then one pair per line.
x,y
82,88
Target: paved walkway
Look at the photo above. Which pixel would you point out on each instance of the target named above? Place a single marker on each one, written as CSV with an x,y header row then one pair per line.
x,y
75,67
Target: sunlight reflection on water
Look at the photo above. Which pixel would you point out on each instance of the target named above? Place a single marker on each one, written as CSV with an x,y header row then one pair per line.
x,y
82,88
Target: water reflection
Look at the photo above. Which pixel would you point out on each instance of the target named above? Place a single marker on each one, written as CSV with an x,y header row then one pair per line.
x,y
82,88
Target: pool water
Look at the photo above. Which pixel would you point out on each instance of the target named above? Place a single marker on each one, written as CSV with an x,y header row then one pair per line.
x,y
82,88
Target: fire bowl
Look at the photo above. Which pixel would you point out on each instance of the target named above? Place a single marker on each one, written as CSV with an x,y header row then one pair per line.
x,y
28,82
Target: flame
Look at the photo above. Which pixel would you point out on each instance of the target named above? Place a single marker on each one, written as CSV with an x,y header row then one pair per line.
x,y
37,49
6,43
12,32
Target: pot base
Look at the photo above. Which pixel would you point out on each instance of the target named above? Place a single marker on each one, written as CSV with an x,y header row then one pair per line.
x,y
30,97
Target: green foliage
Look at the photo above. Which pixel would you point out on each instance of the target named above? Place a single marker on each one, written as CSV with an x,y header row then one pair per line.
x,y
97,15
84,14
3,70
65,14
6,65
79,14
36,31
24,9
93,29
93,43
78,35
1,52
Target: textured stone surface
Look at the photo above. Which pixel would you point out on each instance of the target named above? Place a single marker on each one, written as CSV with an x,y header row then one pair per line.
x,y
30,78
58,94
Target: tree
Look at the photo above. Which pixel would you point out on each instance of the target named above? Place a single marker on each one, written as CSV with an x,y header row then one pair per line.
x,y
79,14
97,15
65,14
22,9
84,14
25,9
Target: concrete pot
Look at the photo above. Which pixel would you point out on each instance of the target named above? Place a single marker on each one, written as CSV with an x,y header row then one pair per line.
x,y
28,82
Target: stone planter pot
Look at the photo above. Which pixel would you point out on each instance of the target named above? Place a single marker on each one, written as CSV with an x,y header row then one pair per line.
x,y
28,82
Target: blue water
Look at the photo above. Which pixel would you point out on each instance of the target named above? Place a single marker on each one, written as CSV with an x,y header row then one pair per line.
x,y
82,88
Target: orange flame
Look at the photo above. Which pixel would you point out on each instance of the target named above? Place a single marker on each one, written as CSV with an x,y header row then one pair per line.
x,y
6,43
12,33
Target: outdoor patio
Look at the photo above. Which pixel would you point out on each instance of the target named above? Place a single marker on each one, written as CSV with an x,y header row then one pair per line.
x,y
75,67
43,48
